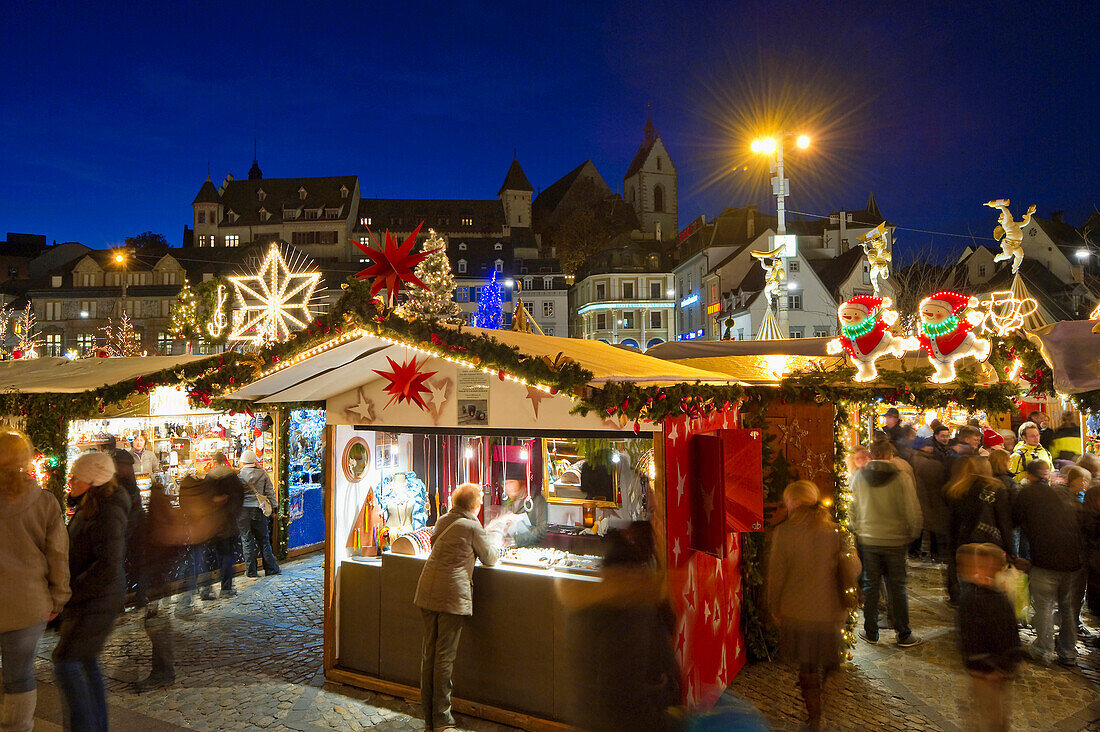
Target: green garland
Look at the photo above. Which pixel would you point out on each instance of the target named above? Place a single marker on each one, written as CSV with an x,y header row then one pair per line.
x,y
283,441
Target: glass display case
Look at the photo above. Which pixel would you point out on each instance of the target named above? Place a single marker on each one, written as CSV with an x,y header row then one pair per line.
x,y
304,455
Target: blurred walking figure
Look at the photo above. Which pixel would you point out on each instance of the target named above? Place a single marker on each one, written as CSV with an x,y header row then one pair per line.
x,y
988,637
229,494
980,511
619,634
444,595
34,561
97,548
810,569
135,524
259,504
166,538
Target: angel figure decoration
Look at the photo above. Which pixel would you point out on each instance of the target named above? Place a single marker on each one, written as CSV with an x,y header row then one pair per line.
x,y
1010,233
773,273
876,245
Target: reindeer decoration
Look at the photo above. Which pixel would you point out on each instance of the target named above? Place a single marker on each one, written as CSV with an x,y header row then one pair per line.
x,y
1010,233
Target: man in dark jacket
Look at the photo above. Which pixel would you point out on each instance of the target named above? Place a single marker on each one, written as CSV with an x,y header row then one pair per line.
x,y
885,516
228,493
930,475
1050,523
892,429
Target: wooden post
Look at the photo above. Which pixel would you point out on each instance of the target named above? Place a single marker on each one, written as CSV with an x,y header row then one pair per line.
x,y
328,654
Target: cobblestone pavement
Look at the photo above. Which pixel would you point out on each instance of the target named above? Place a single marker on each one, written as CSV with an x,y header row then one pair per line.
x,y
926,688
254,662
246,663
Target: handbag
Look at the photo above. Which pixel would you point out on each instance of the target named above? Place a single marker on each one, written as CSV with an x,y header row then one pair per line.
x,y
986,531
261,499
848,568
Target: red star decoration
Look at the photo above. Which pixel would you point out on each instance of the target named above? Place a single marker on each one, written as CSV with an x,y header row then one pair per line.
x,y
536,395
392,265
406,382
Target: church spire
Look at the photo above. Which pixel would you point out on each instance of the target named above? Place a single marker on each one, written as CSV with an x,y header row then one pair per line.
x,y
649,132
254,173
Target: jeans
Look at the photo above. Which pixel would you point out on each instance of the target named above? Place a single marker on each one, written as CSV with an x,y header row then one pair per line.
x,y
441,634
885,562
1048,587
83,698
17,648
253,526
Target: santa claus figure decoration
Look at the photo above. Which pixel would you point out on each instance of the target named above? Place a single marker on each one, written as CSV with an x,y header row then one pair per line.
x,y
865,336
945,336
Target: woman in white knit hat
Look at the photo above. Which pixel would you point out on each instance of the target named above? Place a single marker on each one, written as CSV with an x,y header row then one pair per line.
x,y
34,557
97,547
259,504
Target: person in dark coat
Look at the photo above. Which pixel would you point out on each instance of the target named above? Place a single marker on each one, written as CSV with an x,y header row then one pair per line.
x,y
227,492
619,635
971,488
929,474
1090,534
97,549
135,524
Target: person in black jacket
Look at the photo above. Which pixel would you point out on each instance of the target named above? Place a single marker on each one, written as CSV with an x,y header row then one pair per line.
x,y
988,637
135,524
97,548
1049,521
980,511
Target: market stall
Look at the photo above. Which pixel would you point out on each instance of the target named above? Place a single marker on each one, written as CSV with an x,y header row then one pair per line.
x,y
410,418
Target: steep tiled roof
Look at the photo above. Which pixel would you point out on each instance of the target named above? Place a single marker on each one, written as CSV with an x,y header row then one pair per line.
x,y
550,198
242,198
207,193
403,214
515,180
833,272
649,139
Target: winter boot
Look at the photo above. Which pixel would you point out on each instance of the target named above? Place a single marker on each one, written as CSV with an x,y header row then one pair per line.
x,y
17,712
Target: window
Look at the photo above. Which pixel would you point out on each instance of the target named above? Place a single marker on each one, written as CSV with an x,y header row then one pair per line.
x,y
792,266
164,344
302,238
547,283
601,291
462,294
528,282
232,240
302,193
467,221
462,266
797,332
133,308
740,334
87,280
87,306
473,318
654,290
628,290
654,318
332,213
547,308
312,214
498,265
820,332
633,197
981,270
53,344
628,319
202,217
260,194
85,342
200,346
548,331
473,293
659,199
794,302
53,311
169,278
866,273
658,162
498,247
462,247
601,321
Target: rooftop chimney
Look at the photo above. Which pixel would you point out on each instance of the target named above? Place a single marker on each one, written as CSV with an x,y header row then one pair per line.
x,y
1056,216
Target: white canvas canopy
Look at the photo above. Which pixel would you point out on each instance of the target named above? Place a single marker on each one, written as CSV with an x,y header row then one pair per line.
x,y
55,375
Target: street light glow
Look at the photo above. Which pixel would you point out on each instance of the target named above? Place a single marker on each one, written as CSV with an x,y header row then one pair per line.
x,y
1082,253
765,145
119,258
803,141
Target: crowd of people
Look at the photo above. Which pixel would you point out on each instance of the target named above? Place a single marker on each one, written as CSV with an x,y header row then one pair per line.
x,y
77,578
991,507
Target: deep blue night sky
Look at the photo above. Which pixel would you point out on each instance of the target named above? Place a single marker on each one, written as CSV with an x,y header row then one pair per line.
x,y
110,120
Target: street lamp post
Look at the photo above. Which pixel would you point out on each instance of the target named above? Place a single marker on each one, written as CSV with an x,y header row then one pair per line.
x,y
773,146
120,258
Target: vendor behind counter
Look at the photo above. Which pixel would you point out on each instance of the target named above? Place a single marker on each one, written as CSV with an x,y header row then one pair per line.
x,y
526,526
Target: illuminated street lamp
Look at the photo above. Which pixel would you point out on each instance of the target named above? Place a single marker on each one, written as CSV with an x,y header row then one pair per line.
x,y
121,261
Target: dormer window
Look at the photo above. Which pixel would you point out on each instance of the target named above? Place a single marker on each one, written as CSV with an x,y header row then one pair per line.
x,y
260,195
232,216
302,193
343,191
498,246
313,214
462,247
55,281
332,213
264,215
467,221
365,221
498,265
462,264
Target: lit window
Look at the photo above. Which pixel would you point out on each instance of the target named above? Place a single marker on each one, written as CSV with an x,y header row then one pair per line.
x,y
53,344
232,240
547,309
85,342
164,344
467,221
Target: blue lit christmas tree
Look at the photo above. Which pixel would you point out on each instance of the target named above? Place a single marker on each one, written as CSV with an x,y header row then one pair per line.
x,y
488,305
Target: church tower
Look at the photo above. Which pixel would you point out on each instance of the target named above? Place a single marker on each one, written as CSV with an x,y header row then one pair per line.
x,y
649,186
515,195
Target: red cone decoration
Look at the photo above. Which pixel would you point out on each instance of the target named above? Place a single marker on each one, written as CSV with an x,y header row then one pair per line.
x,y
392,265
406,382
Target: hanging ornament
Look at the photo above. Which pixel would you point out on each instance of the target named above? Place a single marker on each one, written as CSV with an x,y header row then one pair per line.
x,y
946,337
392,265
865,336
406,382
876,245
1010,233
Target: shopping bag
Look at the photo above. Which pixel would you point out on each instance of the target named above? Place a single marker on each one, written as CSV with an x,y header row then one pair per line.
x,y
1013,583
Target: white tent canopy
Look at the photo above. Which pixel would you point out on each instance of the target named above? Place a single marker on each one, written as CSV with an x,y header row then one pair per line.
x,y
54,375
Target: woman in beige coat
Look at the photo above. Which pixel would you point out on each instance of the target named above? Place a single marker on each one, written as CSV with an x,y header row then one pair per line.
x,y
444,595
34,570
810,565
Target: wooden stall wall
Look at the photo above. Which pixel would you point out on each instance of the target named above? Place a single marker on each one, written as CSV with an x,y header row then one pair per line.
x,y
803,442
705,591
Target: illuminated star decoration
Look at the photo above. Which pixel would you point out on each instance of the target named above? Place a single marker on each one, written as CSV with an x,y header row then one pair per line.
x,y
365,408
406,382
440,392
392,265
792,432
274,302
536,395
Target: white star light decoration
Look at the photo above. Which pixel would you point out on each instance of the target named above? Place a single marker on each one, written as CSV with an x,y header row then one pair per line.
x,y
272,303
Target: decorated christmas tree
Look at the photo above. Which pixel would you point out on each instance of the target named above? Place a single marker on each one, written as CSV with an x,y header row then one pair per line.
x,y
184,318
121,339
488,305
26,330
433,301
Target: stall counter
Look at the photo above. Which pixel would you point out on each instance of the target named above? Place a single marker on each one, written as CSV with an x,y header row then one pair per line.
x,y
513,651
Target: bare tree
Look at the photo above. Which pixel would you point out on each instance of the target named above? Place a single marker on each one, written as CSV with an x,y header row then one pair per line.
x,y
928,272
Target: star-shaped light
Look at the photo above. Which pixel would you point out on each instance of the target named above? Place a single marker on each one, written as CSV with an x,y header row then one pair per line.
x,y
392,264
365,408
793,432
272,303
406,382
536,395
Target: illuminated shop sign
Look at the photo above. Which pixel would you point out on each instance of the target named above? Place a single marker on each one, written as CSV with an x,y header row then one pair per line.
x,y
713,308
690,300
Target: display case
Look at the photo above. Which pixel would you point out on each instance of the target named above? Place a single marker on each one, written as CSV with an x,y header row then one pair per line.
x,y
305,457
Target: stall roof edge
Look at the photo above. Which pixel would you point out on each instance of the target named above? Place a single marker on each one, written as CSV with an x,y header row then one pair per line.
x,y
57,375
